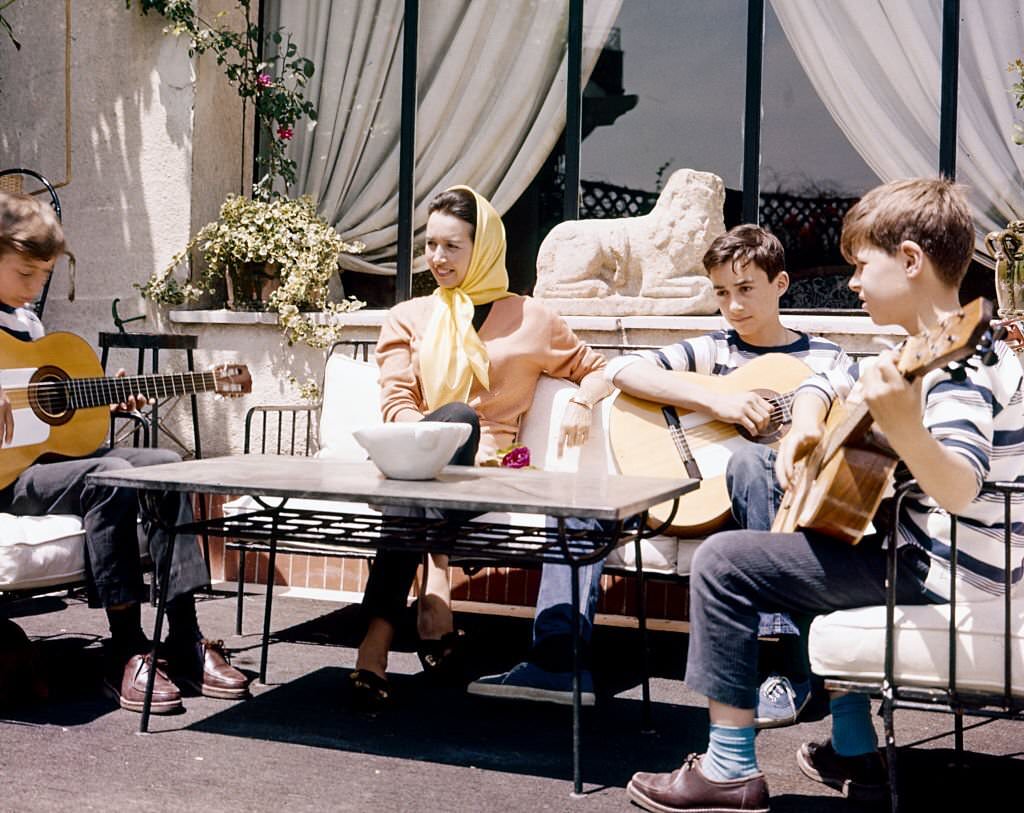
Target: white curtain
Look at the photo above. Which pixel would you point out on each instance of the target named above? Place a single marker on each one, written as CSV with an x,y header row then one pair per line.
x,y
876,66
491,89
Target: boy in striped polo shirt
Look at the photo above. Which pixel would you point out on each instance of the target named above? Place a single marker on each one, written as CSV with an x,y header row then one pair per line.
x,y
910,243
747,269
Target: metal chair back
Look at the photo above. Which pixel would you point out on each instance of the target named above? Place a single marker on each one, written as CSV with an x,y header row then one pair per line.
x,y
28,181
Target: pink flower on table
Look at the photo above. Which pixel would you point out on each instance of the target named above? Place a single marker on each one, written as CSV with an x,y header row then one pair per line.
x,y
264,80
285,133
518,457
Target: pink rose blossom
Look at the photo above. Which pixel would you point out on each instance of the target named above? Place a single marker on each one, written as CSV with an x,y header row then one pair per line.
x,y
517,458
285,133
264,80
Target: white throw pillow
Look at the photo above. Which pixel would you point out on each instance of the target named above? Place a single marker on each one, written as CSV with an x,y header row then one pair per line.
x,y
350,400
542,422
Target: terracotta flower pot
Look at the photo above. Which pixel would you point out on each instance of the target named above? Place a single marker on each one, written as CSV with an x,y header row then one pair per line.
x,y
251,284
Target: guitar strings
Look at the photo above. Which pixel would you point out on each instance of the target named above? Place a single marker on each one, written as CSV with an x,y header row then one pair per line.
x,y
56,396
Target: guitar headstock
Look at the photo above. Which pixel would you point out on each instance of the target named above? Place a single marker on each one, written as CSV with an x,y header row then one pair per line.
x,y
232,380
953,339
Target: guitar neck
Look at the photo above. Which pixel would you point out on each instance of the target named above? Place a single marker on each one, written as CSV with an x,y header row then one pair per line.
x,y
83,393
855,423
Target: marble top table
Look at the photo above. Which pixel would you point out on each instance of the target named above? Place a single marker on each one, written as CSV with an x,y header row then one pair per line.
x,y
557,494
466,489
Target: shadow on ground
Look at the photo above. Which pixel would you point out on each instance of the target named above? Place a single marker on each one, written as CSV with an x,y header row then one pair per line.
x,y
446,726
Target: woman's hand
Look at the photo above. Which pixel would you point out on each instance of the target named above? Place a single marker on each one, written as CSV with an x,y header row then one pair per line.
x,y
6,419
575,427
132,403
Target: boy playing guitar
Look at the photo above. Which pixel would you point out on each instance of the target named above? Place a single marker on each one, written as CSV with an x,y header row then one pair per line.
x,y
31,239
910,243
747,269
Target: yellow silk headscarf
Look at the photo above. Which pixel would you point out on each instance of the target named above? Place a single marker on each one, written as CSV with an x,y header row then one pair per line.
x,y
451,353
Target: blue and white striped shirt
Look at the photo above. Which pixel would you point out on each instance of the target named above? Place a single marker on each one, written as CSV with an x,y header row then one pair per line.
x,y
981,419
722,351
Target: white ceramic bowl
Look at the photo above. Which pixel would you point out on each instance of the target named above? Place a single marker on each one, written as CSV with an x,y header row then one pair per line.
x,y
412,451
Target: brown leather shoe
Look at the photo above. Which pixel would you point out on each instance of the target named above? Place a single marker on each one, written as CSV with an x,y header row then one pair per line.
x,y
204,667
131,690
687,789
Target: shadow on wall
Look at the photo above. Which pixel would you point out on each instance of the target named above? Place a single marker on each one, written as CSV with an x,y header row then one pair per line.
x,y
126,208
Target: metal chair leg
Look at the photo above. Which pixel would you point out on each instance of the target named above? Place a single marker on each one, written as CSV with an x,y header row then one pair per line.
x,y
890,748
641,617
240,598
577,774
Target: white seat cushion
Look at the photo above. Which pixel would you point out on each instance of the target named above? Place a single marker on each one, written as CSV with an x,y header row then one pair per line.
x,y
43,551
851,644
542,422
40,551
666,555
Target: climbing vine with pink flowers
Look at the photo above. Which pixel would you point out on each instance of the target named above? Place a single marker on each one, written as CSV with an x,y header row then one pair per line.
x,y
272,84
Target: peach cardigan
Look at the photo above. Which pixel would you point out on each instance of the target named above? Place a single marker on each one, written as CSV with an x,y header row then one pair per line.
x,y
523,339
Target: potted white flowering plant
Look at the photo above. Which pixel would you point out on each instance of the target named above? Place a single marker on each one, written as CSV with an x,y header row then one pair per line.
x,y
275,254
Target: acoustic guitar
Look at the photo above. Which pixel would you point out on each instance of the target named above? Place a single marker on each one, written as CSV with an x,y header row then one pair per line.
x,y
61,400
838,487
666,441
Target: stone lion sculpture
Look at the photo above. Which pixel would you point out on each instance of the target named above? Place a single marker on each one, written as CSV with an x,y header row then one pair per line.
x,y
647,265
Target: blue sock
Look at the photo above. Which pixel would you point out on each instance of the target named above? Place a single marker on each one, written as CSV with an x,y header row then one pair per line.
x,y
730,753
853,733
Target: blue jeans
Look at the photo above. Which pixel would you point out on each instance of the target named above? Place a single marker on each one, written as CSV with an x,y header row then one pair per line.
x,y
756,496
552,624
737,575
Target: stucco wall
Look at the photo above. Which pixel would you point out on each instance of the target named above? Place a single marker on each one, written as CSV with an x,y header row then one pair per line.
x,y
155,146
127,203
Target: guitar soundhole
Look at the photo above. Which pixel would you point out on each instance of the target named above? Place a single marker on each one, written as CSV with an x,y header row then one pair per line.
x,y
49,397
780,420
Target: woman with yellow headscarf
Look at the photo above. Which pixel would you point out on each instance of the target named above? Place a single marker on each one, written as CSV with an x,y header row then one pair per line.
x,y
471,352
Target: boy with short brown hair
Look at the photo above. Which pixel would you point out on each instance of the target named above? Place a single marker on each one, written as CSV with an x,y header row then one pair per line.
x,y
31,240
910,243
747,269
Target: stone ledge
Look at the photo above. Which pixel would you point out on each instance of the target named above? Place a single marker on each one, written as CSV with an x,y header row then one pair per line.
x,y
823,323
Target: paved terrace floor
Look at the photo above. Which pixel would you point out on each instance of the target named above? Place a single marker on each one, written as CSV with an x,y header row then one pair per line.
x,y
296,746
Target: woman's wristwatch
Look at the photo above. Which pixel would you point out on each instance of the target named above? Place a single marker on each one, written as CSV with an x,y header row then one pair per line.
x,y
580,402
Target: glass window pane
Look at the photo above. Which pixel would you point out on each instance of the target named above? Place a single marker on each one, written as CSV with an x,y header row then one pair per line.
x,y
810,175
683,61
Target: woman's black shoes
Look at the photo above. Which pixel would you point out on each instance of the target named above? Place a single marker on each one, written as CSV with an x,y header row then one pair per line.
x,y
370,692
444,659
